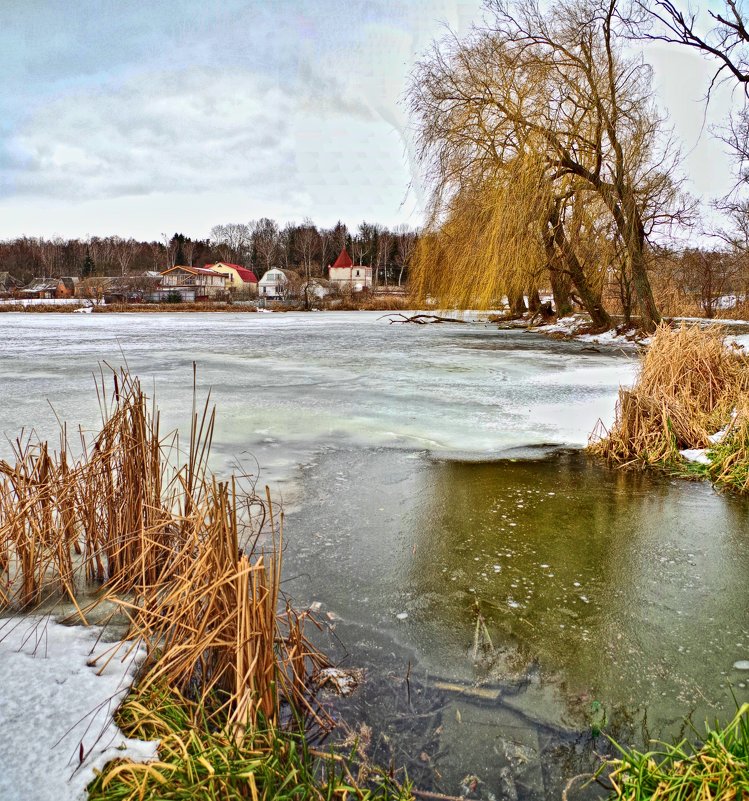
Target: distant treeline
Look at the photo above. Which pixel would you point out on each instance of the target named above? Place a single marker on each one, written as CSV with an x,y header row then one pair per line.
x,y
259,244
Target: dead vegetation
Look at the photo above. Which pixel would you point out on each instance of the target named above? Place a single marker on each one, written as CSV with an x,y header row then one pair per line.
x,y
193,563
691,386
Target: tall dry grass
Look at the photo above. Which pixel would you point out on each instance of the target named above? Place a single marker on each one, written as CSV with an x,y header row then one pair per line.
x,y
690,386
192,562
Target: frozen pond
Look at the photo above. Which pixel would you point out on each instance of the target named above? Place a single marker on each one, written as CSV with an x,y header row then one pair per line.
x,y
287,385
429,480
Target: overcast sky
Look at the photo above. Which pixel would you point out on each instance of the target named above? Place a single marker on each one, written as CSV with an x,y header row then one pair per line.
x,y
139,117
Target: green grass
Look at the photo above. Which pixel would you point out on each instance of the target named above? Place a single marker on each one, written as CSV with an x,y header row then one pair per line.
x,y
717,769
199,762
729,462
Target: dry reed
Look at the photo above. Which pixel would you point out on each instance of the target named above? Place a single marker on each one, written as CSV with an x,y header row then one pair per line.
x,y
688,388
193,563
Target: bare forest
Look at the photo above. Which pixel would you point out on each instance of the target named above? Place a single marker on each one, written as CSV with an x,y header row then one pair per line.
x,y
259,244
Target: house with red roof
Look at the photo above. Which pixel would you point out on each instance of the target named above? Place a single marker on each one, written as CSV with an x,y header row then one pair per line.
x,y
347,276
192,283
240,278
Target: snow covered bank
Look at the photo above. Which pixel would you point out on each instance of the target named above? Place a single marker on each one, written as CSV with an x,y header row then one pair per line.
x,y
53,705
572,327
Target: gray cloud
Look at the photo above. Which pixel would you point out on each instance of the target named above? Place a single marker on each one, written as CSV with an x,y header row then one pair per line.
x,y
187,130
134,116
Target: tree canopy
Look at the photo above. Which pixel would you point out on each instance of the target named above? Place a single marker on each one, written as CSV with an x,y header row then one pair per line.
x,y
538,134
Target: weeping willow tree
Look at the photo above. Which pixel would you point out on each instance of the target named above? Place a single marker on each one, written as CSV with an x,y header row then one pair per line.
x,y
487,222
539,139
508,233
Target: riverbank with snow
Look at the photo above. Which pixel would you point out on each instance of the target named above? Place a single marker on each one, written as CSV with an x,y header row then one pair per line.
x,y
56,715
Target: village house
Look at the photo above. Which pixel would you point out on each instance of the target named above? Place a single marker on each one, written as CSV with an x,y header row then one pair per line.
x,y
274,285
45,289
8,284
347,276
240,278
191,283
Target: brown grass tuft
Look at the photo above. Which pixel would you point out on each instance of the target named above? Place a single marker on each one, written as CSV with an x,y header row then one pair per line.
x,y
688,386
192,562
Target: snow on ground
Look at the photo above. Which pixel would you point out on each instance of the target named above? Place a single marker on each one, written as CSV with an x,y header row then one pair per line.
x,y
572,325
723,321
52,702
741,341
698,455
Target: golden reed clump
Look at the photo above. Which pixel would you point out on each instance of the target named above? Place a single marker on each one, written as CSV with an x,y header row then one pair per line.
x,y
690,386
192,563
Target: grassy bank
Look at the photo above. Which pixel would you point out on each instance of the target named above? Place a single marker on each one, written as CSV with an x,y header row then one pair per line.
x,y
691,395
717,768
208,762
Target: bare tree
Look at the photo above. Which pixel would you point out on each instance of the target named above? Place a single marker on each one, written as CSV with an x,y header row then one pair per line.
x,y
170,250
722,37
265,242
405,242
50,253
307,244
124,251
233,242
364,244
102,252
710,275
384,248
188,248
338,237
724,40
287,243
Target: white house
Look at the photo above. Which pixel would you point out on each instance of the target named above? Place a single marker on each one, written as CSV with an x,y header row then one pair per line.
x,y
273,285
347,276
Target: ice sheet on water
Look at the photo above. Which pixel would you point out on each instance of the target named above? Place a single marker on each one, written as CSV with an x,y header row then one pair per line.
x,y
287,386
52,702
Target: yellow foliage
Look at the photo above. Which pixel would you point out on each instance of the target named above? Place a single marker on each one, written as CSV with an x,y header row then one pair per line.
x,y
488,245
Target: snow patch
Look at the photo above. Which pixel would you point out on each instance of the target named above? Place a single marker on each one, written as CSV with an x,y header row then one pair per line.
x,y
54,701
740,341
698,455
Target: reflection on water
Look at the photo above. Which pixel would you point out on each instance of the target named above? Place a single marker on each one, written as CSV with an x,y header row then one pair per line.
x,y
631,588
621,588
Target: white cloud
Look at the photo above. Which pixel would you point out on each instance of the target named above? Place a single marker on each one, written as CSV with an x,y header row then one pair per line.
x,y
185,114
172,131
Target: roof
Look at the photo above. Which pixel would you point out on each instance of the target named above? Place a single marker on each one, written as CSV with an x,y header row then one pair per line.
x,y
7,281
343,260
42,284
193,270
69,282
271,275
246,275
